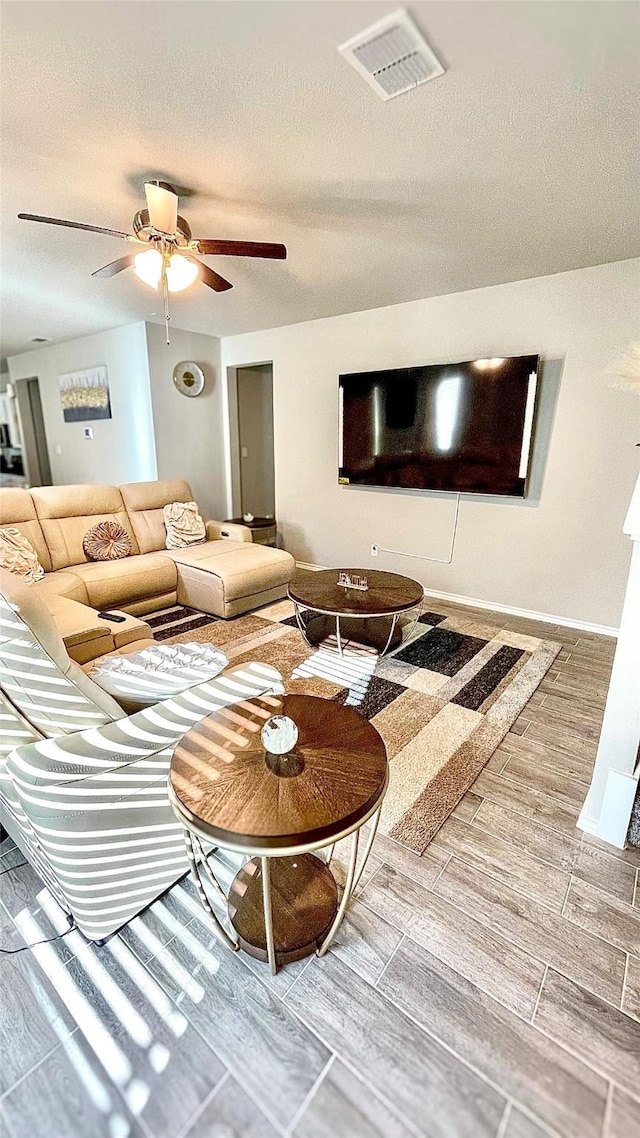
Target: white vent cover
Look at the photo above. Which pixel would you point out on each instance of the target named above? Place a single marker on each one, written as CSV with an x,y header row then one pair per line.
x,y
392,56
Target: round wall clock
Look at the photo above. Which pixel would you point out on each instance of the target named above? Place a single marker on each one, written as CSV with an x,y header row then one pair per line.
x,y
188,378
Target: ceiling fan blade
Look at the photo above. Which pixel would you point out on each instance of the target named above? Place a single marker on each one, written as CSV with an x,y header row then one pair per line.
x,y
243,249
114,267
163,208
72,225
207,275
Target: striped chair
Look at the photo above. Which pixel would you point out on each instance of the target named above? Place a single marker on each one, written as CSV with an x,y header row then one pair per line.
x,y
82,785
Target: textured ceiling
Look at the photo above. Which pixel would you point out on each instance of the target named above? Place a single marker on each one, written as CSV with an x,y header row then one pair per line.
x,y
518,162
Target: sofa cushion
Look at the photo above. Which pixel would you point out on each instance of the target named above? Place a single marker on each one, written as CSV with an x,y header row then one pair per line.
x,y
192,554
66,513
134,646
243,571
145,502
61,584
112,583
17,509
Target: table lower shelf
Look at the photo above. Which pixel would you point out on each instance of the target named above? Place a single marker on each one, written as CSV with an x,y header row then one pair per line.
x,y
304,902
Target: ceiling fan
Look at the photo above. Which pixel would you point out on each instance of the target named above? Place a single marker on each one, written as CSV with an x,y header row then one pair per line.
x,y
165,253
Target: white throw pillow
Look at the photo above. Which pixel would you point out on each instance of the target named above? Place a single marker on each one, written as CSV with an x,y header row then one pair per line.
x,y
183,524
18,555
155,673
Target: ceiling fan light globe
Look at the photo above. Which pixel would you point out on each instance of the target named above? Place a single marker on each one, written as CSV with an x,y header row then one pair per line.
x,y
148,267
181,273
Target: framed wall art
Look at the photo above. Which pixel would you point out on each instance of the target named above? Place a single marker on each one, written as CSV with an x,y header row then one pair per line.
x,y
85,395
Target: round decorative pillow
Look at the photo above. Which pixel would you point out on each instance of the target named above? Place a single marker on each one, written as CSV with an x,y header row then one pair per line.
x,y
108,541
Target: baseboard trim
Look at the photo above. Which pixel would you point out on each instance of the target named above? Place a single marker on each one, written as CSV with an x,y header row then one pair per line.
x,y
616,808
310,567
587,823
509,610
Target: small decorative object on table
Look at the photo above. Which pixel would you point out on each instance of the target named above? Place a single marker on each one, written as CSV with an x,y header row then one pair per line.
x,y
353,581
279,735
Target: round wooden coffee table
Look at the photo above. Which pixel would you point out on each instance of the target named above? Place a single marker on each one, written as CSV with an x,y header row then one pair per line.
x,y
279,809
369,617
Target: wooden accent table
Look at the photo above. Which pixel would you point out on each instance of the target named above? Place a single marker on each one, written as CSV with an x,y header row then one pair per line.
x,y
370,617
279,810
263,530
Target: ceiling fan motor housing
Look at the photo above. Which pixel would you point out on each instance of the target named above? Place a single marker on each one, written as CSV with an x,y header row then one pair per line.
x,y
144,230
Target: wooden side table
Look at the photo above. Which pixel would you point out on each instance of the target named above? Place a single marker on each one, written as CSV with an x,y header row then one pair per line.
x,y
264,531
279,810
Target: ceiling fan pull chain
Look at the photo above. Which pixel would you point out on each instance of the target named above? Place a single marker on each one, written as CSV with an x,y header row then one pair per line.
x,y
165,295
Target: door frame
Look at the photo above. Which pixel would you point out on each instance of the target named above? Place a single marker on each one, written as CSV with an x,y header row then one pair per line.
x,y
35,453
232,435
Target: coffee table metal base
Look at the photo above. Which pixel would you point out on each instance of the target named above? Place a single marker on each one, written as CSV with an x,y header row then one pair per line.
x,y
292,924
383,633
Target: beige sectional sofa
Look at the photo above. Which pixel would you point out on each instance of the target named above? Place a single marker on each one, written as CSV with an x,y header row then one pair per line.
x,y
226,575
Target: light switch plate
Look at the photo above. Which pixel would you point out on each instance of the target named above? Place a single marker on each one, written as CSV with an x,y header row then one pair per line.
x,y
88,432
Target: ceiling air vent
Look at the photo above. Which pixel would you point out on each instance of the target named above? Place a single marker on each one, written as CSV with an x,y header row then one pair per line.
x,y
392,56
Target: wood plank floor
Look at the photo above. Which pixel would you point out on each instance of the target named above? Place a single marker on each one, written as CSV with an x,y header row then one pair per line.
x,y
488,989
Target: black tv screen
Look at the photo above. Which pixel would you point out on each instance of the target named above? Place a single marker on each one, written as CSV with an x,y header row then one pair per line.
x,y
459,427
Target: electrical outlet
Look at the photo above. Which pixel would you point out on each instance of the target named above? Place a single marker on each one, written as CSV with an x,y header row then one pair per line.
x,y
374,550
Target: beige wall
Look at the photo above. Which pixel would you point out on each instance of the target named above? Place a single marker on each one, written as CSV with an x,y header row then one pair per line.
x,y
189,432
561,552
154,431
122,448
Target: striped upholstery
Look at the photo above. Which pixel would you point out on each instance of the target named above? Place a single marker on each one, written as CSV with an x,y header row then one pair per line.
x,y
97,800
37,699
83,787
37,678
15,732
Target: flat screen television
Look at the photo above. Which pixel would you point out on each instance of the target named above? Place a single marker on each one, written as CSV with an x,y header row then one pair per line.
x,y
462,427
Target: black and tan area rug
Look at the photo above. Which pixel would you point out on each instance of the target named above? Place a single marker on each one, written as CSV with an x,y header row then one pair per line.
x,y
442,702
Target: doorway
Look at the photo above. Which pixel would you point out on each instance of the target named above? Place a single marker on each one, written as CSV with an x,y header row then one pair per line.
x,y
255,440
34,439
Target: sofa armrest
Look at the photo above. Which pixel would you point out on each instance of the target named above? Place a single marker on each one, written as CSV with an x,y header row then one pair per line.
x,y
217,530
84,635
98,805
